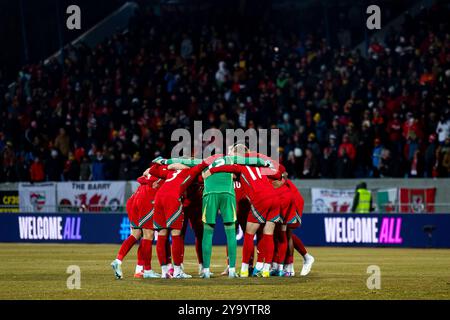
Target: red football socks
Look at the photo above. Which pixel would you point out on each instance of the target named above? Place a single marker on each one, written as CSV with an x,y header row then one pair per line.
x,y
161,249
268,247
248,248
260,248
177,250
125,247
140,255
168,251
282,245
147,253
298,245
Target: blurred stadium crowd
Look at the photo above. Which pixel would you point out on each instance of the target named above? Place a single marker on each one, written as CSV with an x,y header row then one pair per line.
x,y
106,112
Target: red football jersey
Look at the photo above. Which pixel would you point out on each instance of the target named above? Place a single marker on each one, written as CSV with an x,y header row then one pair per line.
x,y
256,185
279,174
176,181
298,198
145,193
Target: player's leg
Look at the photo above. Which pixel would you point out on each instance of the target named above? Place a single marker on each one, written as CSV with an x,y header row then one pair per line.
x,y
175,221
123,251
209,212
169,256
308,260
248,247
289,216
293,221
282,244
197,227
145,222
257,270
159,224
147,243
228,212
267,246
193,217
268,210
184,228
276,236
208,233
289,261
230,232
242,214
255,218
161,247
177,253
139,270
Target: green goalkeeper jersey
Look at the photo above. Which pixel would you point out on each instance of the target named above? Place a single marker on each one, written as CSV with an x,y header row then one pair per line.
x,y
221,182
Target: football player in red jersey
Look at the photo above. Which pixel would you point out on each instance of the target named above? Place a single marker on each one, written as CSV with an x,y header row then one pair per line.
x,y
169,212
140,212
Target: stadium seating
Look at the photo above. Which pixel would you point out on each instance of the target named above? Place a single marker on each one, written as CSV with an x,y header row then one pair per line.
x,y
106,112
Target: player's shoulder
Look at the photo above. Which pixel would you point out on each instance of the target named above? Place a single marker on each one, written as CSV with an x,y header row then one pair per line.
x,y
213,158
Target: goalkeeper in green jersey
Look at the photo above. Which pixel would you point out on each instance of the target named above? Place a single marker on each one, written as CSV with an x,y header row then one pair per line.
x,y
218,196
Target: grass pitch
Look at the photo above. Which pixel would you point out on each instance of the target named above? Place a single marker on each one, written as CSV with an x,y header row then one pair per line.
x,y
38,271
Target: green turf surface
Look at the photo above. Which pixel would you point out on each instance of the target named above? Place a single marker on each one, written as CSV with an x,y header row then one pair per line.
x,y
38,271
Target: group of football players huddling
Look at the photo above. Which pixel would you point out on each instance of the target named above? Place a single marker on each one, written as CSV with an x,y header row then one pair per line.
x,y
247,189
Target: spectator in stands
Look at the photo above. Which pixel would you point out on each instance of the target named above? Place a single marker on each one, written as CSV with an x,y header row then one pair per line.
x,y
364,150
443,129
186,47
430,156
9,162
37,173
376,158
394,130
222,74
124,167
346,156
313,145
416,165
2,142
85,169
328,163
446,164
71,170
98,167
131,91
112,166
62,142
310,165
135,165
386,165
54,166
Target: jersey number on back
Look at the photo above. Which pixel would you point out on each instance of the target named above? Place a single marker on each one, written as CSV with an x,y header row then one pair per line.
x,y
258,172
177,172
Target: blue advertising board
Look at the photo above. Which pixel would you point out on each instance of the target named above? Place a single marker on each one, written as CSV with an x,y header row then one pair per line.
x,y
368,230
